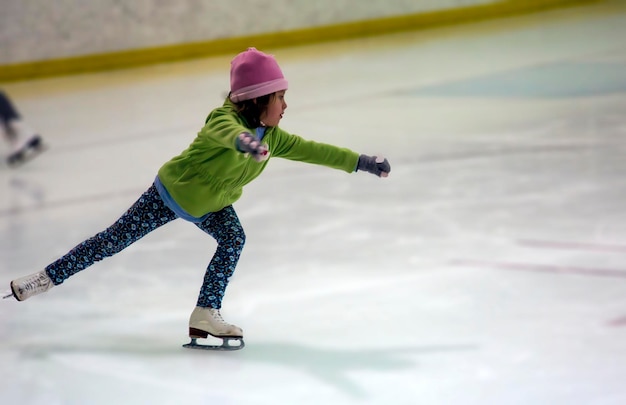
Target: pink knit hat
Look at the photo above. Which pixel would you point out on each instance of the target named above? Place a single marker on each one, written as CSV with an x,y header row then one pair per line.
x,y
254,74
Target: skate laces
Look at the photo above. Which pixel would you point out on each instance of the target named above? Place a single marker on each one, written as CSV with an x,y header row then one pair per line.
x,y
215,313
38,282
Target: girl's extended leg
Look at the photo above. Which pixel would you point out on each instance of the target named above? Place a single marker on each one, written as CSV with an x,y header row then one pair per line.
x,y
225,227
145,215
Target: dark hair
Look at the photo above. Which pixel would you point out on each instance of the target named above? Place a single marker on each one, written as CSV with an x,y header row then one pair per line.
x,y
251,110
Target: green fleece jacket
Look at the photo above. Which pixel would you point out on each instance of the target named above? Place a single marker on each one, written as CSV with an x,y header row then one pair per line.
x,y
210,174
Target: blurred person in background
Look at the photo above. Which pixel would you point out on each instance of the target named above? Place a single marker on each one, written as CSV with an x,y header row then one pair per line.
x,y
23,142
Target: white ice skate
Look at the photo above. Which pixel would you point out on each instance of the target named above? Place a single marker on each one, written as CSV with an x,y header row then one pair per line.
x,y
28,286
208,321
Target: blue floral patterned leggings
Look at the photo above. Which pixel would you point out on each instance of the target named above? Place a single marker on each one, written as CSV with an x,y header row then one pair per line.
x,y
145,215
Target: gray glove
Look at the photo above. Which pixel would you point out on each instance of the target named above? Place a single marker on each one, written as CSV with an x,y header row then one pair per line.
x,y
247,143
375,165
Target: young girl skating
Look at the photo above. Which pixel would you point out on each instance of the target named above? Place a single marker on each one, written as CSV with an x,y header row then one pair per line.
x,y
201,184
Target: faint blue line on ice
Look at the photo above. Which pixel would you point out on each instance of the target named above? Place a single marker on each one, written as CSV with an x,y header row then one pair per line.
x,y
555,80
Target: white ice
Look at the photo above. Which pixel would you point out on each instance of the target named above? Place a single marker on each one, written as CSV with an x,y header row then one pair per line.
x,y
489,268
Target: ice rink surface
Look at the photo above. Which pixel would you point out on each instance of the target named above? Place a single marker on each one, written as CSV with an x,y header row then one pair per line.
x,y
489,268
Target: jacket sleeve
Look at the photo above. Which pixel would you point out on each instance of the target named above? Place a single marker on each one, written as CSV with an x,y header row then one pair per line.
x,y
222,128
293,147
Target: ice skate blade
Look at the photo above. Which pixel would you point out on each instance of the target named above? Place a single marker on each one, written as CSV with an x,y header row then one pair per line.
x,y
225,346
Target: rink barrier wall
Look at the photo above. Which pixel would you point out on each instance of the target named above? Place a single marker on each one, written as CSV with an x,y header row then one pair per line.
x,y
378,26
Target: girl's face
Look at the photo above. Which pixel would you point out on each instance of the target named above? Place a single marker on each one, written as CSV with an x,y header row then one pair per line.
x,y
275,110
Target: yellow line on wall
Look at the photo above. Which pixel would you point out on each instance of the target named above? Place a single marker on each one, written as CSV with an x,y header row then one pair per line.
x,y
147,56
